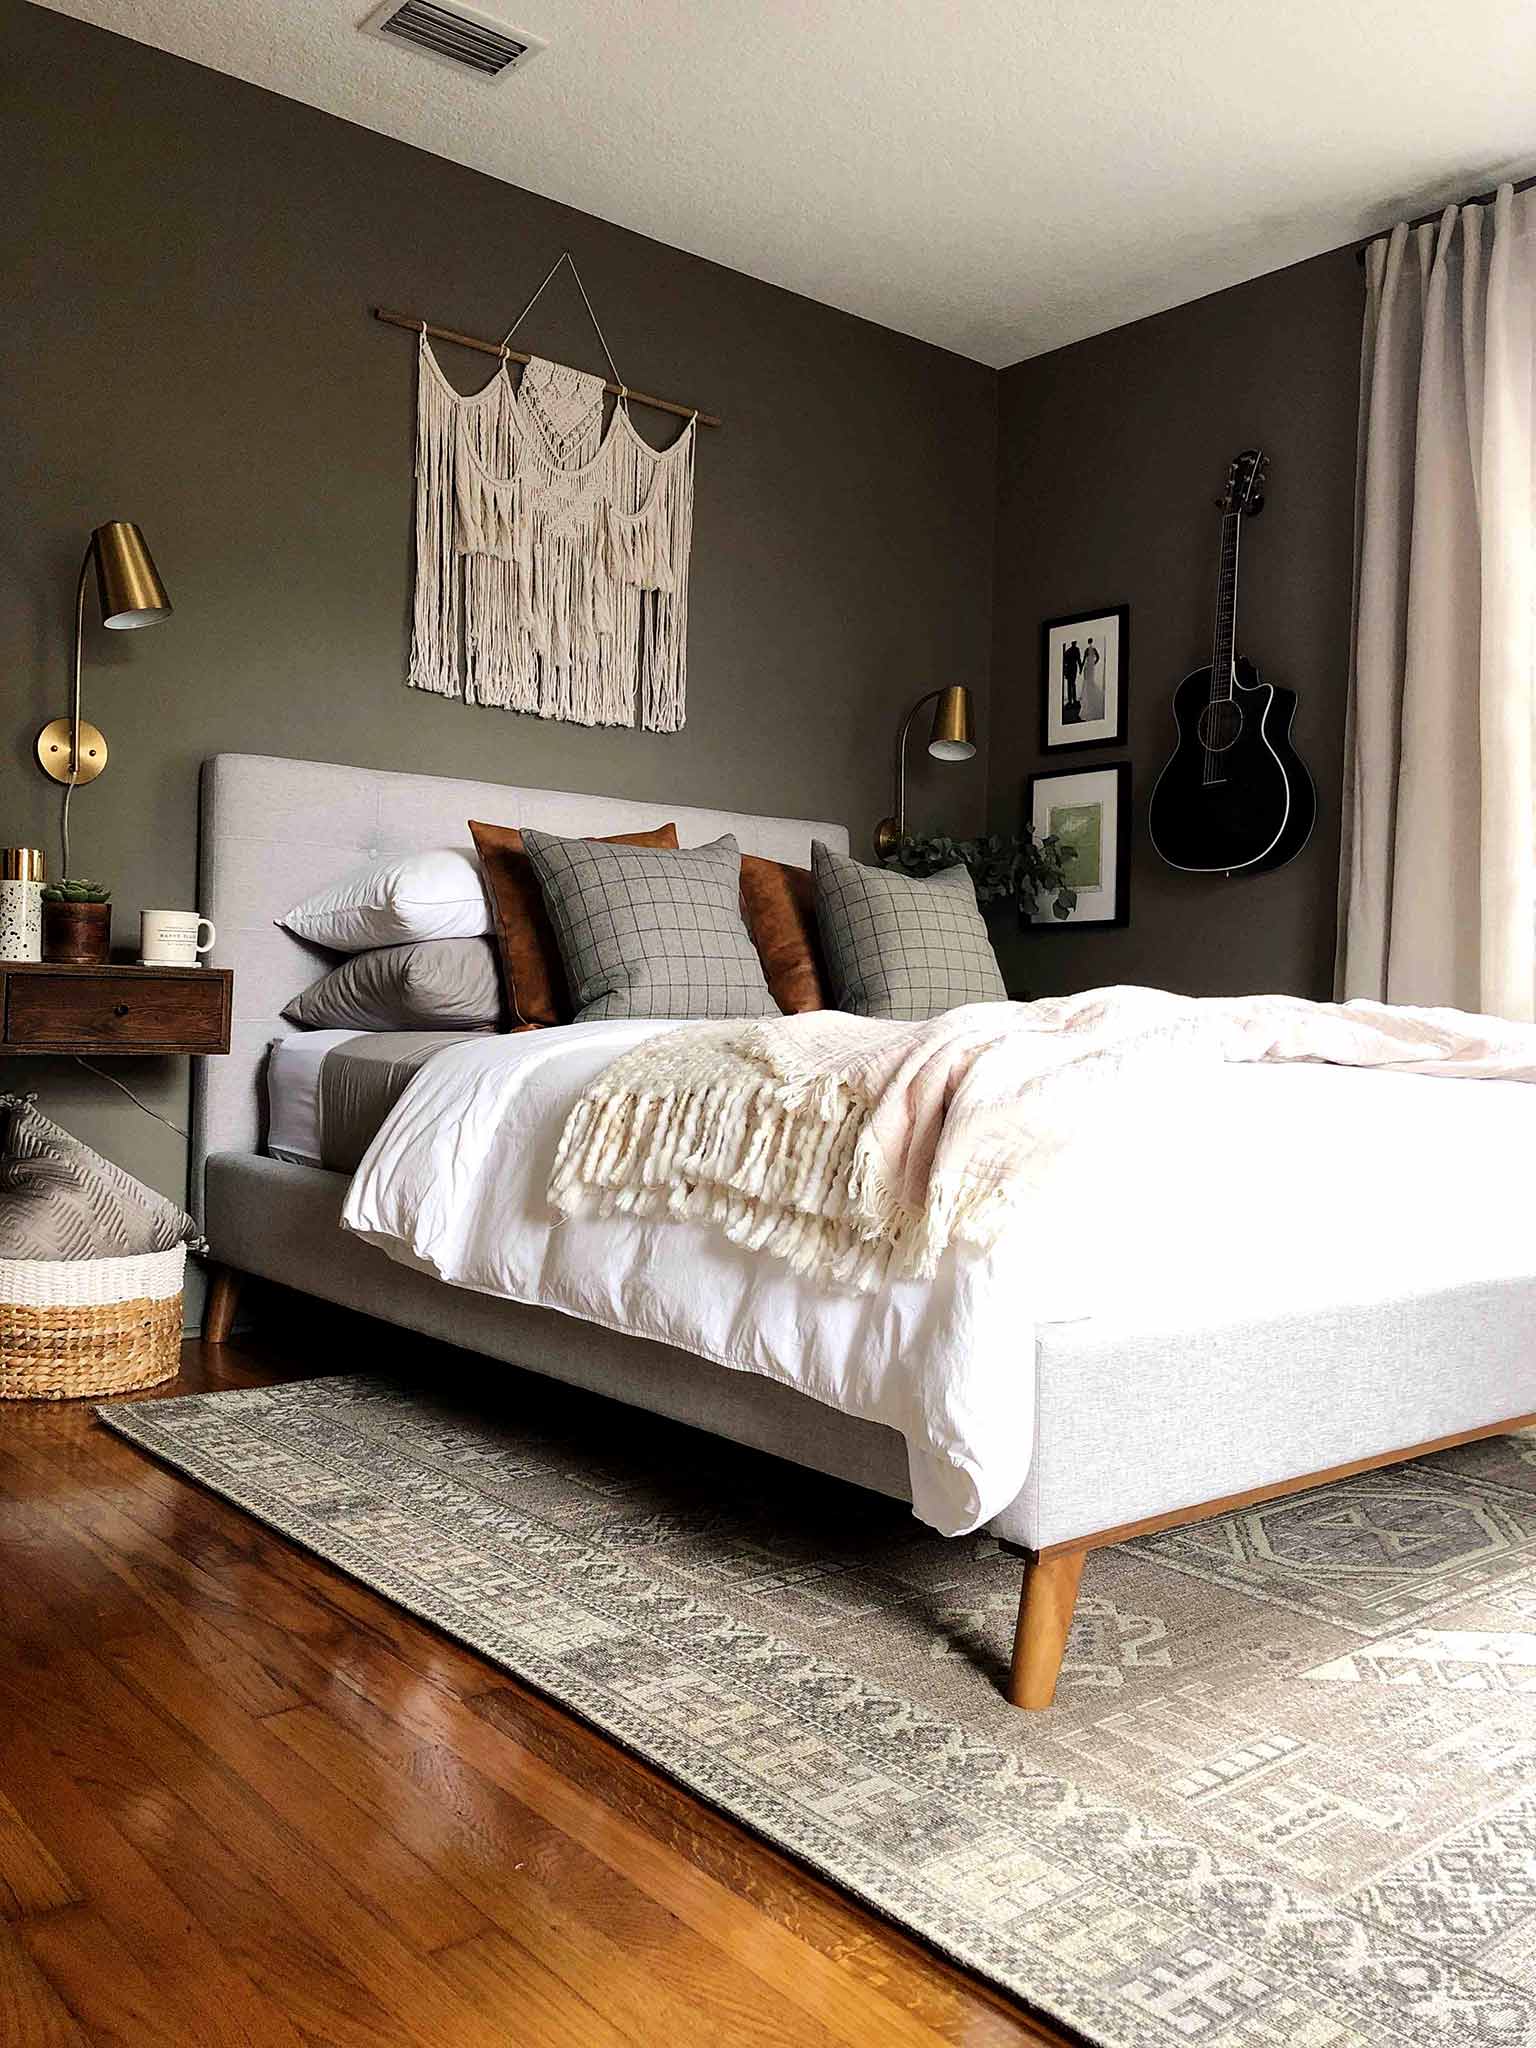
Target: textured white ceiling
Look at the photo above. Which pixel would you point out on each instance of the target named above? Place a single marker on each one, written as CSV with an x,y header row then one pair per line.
x,y
997,176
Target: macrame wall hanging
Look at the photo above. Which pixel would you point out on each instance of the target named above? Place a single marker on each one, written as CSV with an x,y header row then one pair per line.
x,y
551,555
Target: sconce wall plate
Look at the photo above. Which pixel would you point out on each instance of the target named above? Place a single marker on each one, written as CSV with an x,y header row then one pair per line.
x,y
53,751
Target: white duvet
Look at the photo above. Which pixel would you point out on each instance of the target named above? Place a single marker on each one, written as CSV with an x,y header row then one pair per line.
x,y
1282,1188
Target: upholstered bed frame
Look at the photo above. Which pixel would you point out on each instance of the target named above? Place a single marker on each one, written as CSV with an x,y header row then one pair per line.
x,y
1135,1430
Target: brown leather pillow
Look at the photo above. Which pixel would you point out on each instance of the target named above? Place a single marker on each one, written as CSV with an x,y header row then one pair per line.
x,y
537,991
779,905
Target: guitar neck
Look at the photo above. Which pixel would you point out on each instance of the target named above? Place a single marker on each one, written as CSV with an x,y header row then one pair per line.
x,y
1225,632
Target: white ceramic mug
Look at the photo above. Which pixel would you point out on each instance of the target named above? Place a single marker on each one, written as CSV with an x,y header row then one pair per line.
x,y
173,938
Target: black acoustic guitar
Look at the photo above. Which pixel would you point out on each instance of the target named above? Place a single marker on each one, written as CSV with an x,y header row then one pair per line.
x,y
1235,799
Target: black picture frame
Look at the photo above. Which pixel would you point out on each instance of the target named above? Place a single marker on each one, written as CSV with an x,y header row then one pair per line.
x,y
1121,614
1121,916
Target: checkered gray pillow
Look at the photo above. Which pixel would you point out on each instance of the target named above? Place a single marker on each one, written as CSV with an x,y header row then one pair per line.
x,y
648,931
899,946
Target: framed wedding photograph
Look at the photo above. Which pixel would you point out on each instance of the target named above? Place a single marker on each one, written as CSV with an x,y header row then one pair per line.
x,y
1084,673
1088,810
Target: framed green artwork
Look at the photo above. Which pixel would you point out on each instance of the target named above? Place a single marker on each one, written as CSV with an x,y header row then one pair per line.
x,y
1088,812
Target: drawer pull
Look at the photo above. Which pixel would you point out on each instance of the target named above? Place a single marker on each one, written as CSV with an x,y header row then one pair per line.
x,y
119,1009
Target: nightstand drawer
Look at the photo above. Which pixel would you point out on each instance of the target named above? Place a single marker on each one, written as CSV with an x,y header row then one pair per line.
x,y
130,1011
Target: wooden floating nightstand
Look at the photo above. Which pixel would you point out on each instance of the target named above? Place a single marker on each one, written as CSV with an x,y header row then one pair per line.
x,y
48,1007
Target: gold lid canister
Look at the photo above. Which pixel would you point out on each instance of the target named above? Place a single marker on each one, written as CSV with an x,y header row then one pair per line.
x,y
22,864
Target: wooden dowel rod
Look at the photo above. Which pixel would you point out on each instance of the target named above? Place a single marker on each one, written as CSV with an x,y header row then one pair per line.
x,y
516,355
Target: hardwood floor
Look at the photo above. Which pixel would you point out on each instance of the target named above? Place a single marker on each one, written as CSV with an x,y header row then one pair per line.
x,y
243,1800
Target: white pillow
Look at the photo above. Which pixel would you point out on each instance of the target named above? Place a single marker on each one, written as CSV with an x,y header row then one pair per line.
x,y
438,895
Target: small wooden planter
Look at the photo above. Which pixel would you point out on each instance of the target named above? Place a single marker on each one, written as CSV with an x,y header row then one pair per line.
x,y
71,1327
77,933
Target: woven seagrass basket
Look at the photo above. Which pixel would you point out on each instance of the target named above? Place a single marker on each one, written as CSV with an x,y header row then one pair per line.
x,y
70,1327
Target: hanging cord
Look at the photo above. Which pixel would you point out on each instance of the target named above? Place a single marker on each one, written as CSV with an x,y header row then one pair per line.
x,y
566,257
99,1072
102,1075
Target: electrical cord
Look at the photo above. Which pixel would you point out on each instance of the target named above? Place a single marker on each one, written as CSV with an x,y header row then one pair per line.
x,y
99,1072
102,1075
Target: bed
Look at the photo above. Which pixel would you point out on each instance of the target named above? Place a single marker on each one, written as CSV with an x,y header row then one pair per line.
x,y
1230,1320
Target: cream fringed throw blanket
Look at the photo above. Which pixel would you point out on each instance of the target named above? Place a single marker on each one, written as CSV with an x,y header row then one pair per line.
x,y
860,1150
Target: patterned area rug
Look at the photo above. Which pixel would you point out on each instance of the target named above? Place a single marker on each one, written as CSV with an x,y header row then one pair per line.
x,y
1287,1798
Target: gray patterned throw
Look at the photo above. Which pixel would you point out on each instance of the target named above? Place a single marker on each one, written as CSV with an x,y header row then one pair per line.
x,y
902,947
650,931
61,1200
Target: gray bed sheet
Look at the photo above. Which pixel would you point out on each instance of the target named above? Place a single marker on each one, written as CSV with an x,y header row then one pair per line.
x,y
360,1083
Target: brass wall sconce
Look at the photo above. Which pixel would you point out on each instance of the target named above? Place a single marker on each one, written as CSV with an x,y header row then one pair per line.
x,y
953,738
72,750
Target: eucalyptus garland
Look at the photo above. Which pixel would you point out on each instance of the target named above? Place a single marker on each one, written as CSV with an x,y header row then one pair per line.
x,y
1014,867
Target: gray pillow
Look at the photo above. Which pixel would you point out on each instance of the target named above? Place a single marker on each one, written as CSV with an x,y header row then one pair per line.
x,y
901,946
432,985
650,931
61,1200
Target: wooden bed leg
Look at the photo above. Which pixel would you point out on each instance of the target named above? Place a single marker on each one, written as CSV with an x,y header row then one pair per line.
x,y
223,1300
1045,1617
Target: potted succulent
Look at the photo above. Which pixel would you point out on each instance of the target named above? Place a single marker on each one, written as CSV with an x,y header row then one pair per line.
x,y
77,922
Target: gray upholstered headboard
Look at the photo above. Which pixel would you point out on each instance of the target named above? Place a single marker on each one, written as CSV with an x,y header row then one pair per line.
x,y
274,831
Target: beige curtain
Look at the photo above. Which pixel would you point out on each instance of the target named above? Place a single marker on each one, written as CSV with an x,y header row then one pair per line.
x,y
1438,871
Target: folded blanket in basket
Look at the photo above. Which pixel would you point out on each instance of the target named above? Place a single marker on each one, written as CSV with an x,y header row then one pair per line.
x,y
61,1200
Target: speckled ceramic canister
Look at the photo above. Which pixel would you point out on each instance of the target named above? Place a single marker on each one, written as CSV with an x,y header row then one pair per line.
x,y
21,903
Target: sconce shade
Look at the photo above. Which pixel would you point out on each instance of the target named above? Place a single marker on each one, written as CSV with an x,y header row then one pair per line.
x,y
127,581
954,731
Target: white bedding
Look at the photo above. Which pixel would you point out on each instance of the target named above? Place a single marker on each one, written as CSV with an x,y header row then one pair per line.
x,y
1284,1188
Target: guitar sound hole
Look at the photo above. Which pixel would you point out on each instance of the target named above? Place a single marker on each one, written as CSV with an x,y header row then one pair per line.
x,y
1220,725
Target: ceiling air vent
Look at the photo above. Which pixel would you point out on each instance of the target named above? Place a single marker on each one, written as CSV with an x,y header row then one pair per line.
x,y
466,37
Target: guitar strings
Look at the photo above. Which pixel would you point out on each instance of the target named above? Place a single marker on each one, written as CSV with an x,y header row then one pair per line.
x,y
1221,688
1207,723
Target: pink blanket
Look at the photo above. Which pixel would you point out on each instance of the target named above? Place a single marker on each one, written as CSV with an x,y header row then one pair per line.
x,y
855,1148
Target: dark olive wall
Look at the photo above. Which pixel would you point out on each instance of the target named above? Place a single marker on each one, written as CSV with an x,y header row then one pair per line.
x,y
1111,454
188,267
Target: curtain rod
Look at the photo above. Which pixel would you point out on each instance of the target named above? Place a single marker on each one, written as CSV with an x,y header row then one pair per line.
x,y
1426,220
516,355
